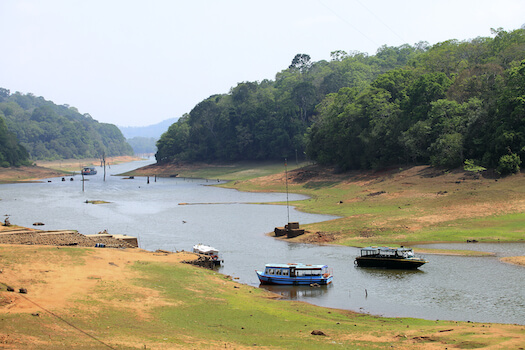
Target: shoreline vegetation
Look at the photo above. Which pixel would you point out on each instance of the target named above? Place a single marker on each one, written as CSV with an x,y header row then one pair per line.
x,y
87,297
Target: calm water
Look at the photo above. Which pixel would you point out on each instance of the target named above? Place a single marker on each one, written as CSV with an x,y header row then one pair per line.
x,y
453,288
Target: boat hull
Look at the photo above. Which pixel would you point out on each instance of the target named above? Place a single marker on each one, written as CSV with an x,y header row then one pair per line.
x,y
293,281
390,263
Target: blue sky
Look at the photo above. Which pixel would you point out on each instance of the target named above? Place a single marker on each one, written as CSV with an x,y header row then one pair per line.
x,y
136,63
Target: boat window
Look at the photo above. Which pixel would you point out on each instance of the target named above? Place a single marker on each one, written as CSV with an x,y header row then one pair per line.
x,y
269,271
285,272
369,252
278,272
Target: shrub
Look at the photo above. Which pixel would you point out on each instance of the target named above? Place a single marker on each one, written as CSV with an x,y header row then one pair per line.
x,y
509,164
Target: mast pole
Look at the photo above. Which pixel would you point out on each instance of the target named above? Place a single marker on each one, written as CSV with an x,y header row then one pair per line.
x,y
286,174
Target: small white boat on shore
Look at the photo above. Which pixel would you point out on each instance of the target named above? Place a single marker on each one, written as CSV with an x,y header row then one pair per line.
x,y
208,251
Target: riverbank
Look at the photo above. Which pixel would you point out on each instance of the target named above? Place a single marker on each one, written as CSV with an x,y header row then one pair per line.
x,y
390,207
47,169
27,174
85,298
169,305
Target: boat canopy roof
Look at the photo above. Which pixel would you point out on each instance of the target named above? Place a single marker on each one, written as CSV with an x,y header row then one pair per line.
x,y
297,266
386,249
387,252
204,249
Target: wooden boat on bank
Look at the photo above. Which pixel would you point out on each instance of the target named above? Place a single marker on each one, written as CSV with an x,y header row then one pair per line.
x,y
386,257
208,251
295,274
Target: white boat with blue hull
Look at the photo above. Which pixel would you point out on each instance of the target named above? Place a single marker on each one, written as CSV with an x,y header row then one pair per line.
x,y
295,274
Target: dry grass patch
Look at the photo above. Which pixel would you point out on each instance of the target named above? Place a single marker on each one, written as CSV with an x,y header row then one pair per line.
x,y
516,260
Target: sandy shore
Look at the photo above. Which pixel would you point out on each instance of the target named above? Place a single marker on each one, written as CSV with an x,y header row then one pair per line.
x,y
46,169
59,281
516,260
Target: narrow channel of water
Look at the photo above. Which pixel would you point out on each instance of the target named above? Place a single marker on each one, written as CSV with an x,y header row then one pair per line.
x,y
175,214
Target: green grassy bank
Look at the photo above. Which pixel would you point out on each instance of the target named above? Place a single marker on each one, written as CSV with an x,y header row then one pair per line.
x,y
398,206
178,306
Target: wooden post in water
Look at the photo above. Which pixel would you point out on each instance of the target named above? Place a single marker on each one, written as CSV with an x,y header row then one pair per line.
x,y
104,161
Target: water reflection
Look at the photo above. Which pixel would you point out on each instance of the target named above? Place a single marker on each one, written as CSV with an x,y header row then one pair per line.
x,y
297,292
387,274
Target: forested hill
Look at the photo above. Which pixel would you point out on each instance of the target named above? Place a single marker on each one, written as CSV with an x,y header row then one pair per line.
x,y
11,152
444,104
49,131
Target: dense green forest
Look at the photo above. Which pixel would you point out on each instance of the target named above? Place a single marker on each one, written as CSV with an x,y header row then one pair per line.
x,y
11,152
446,104
47,131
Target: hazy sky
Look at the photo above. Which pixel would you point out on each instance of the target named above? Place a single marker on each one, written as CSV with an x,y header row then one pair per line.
x,y
135,63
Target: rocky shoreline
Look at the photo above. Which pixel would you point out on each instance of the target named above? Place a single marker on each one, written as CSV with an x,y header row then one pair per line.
x,y
16,235
21,235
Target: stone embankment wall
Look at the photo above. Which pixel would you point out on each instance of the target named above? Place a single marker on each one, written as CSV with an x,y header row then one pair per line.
x,y
59,238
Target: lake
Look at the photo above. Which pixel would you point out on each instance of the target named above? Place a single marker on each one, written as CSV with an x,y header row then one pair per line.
x,y
176,213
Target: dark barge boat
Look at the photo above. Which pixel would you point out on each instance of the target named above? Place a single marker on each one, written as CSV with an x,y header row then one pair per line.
x,y
386,257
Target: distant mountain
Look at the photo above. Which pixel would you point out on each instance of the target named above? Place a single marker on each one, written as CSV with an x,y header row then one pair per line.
x,y
143,145
149,131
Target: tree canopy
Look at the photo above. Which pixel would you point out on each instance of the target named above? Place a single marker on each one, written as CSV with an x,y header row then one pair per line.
x,y
440,105
11,152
